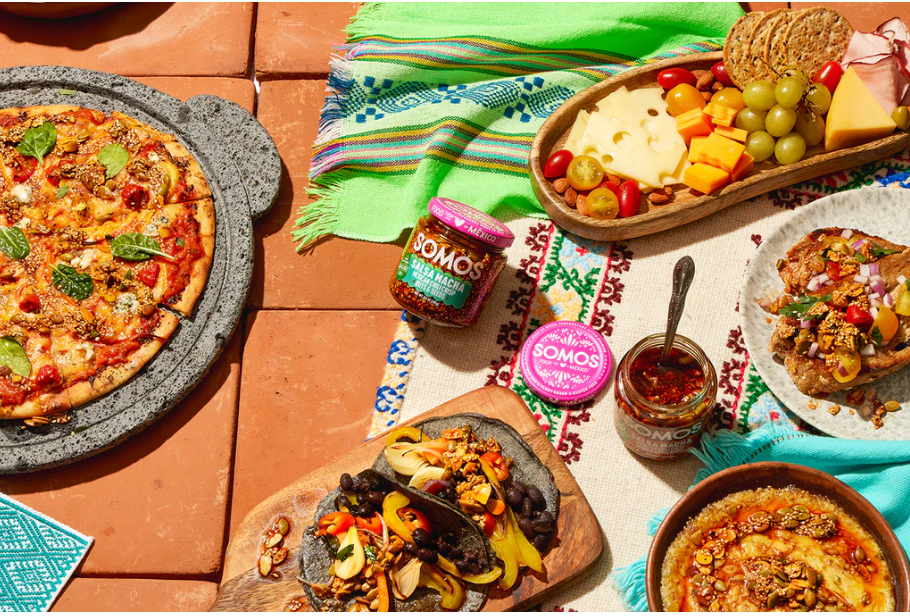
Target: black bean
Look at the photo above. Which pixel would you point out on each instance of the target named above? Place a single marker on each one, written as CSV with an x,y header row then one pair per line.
x,y
513,497
375,497
427,556
520,487
366,510
527,527
541,527
535,495
374,482
462,565
474,567
360,485
410,548
541,542
545,516
445,549
456,554
527,508
347,483
421,537
448,538
470,555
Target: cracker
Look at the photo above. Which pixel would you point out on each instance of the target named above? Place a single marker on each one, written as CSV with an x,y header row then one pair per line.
x,y
817,36
775,51
736,48
760,34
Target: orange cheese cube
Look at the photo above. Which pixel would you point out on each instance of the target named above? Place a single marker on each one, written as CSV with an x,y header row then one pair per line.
x,y
705,178
722,152
693,123
695,148
721,114
743,167
736,134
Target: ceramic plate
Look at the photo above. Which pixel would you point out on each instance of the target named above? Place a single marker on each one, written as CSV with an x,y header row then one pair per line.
x,y
878,211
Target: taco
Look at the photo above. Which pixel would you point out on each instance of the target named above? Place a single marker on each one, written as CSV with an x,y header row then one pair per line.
x,y
482,467
379,546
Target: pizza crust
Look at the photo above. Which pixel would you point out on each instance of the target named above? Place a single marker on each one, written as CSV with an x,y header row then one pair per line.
x,y
198,278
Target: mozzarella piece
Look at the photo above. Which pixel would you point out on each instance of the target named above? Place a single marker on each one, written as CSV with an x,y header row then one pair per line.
x,y
126,303
23,222
22,193
85,259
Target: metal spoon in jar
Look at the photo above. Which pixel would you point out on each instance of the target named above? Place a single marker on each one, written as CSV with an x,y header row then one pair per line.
x,y
683,274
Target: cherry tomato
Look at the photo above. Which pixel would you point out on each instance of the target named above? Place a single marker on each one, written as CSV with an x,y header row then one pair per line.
x,y
833,270
720,73
557,164
602,204
47,375
672,77
584,173
52,174
859,317
729,97
24,167
415,519
335,523
829,75
134,196
496,462
629,196
886,323
489,524
148,275
902,304
30,303
683,98
611,186
373,524
851,363
95,117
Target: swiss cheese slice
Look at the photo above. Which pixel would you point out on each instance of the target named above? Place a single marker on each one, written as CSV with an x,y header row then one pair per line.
x,y
855,116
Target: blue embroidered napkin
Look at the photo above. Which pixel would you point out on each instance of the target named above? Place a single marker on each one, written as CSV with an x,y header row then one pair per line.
x,y
37,557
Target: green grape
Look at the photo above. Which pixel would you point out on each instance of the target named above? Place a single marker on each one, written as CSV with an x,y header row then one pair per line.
x,y
760,146
796,72
820,98
759,95
751,120
812,128
780,121
789,149
789,92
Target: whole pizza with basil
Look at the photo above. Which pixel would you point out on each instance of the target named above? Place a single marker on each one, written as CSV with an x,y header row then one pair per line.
x,y
106,235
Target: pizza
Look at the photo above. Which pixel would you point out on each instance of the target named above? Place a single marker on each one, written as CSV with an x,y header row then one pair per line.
x,y
107,231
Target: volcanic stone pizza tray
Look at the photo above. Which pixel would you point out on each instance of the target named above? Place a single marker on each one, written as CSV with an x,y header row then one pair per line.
x,y
243,169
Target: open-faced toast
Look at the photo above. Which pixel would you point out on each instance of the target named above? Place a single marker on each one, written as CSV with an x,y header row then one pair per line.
x,y
845,311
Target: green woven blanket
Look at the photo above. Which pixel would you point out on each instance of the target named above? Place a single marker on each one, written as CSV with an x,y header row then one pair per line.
x,y
444,99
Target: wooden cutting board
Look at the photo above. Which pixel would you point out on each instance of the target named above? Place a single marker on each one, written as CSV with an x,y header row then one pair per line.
x,y
580,540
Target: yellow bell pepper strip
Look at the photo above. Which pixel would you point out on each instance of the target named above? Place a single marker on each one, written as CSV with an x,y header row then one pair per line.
x,y
528,554
497,463
450,591
405,432
382,585
390,506
506,547
480,578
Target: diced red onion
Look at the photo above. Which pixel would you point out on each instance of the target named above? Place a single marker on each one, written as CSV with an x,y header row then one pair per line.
x,y
821,355
879,287
876,303
901,279
764,302
864,270
873,269
858,244
873,311
841,369
888,300
813,284
868,350
860,279
823,278
807,324
813,350
847,234
873,296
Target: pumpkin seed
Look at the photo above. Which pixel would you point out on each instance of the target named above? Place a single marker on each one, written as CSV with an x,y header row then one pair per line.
x,y
719,586
766,572
810,598
802,516
719,562
811,576
698,579
280,556
773,601
698,537
818,532
283,526
272,539
781,582
892,405
865,599
784,511
731,510
790,592
791,524
265,565
751,585
859,554
802,508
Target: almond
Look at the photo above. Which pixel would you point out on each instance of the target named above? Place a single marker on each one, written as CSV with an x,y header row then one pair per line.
x,y
667,191
581,203
561,185
707,96
658,198
613,178
704,81
570,196
717,86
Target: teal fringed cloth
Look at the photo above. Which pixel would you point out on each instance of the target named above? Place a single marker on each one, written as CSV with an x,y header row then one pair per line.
x,y
432,99
879,470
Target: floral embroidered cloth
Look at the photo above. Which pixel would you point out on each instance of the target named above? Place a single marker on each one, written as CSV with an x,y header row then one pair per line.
x,y
444,99
37,557
622,289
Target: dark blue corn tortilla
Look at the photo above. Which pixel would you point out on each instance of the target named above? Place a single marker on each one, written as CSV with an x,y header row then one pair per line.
x,y
316,555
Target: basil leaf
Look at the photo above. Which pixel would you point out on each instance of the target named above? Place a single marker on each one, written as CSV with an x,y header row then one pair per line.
x,y
67,92
69,281
38,141
860,257
370,553
344,553
114,158
61,192
907,284
179,241
13,356
14,243
878,253
876,336
799,307
136,247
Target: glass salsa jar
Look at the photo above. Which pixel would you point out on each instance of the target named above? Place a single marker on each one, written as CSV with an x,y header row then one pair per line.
x,y
662,411
450,263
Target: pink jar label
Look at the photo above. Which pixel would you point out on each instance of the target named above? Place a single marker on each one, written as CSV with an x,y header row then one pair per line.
x,y
471,222
566,362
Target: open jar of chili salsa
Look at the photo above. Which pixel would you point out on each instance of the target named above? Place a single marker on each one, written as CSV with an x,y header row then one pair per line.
x,y
662,410
450,263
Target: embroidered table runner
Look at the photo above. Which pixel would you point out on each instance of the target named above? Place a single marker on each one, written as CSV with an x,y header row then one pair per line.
x,y
621,289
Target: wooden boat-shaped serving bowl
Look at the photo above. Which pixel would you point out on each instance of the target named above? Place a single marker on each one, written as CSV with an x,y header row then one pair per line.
x,y
686,206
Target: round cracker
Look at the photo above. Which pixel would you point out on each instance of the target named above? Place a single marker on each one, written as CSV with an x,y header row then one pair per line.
x,y
757,68
817,36
736,48
776,45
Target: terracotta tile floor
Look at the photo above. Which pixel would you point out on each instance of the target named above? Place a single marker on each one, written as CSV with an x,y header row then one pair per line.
x,y
295,386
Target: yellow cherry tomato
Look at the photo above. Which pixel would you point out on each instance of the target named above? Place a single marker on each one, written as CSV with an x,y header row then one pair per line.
x,y
729,97
602,204
886,324
850,361
902,304
684,97
584,173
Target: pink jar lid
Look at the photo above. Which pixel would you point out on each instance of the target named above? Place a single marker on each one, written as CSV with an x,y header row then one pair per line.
x,y
566,362
471,222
